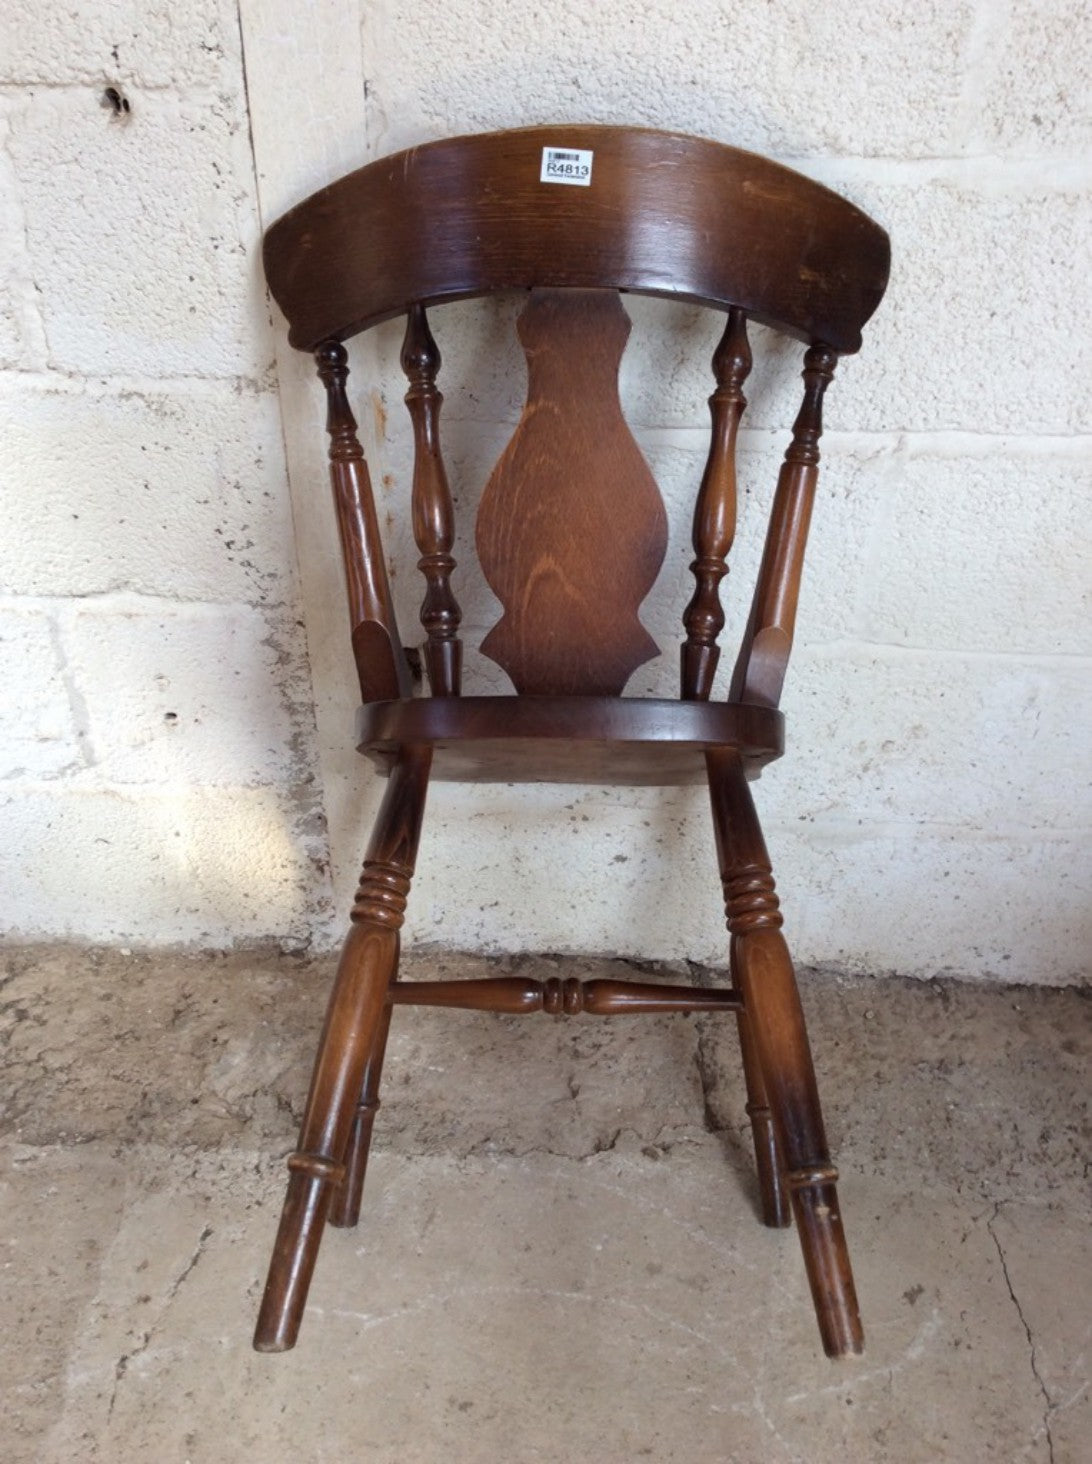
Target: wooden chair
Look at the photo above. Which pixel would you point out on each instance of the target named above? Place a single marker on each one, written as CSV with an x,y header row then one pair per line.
x,y
571,534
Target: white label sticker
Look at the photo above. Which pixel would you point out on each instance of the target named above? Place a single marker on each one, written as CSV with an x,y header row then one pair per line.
x,y
566,165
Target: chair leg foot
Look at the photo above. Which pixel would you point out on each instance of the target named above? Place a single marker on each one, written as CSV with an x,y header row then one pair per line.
x,y
294,1254
358,1009
764,973
826,1257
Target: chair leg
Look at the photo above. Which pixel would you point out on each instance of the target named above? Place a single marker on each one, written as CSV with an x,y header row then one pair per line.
x,y
775,1201
345,1202
355,1013
768,984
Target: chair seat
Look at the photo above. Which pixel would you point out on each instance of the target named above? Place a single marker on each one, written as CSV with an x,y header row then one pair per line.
x,y
571,739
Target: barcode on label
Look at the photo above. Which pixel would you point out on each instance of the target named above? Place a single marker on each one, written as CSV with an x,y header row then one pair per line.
x,y
566,166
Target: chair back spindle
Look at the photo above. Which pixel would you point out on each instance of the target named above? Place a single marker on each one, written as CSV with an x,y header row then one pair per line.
x,y
767,643
377,649
715,512
433,514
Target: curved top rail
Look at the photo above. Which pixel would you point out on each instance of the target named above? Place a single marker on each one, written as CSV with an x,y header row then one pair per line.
x,y
663,214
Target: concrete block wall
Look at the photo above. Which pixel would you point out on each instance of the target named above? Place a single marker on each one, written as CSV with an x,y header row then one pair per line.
x,y
156,731
933,812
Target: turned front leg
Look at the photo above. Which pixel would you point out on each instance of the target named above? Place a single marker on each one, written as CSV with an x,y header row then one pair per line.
x,y
772,1001
369,962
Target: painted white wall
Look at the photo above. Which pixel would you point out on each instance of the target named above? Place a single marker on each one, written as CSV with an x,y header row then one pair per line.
x,y
932,814
156,734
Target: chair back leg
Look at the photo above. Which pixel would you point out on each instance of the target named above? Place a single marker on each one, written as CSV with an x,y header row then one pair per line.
x,y
776,1210
344,1209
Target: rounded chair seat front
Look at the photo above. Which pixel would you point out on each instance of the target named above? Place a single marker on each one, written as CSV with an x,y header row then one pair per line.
x,y
571,739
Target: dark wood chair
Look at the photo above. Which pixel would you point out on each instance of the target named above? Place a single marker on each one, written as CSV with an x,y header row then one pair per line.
x,y
571,534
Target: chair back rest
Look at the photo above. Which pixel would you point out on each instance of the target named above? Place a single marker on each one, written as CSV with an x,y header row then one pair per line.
x,y
571,530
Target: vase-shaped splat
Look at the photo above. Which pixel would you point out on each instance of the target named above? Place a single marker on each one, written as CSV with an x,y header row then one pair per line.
x,y
572,531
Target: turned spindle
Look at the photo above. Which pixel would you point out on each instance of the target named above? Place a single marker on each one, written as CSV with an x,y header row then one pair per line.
x,y
767,643
380,661
569,996
715,512
433,514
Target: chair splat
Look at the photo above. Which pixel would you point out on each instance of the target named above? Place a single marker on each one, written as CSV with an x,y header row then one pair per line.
x,y
767,643
380,661
572,529
715,512
433,514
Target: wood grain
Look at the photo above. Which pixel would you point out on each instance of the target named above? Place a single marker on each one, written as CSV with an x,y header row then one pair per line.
x,y
571,529
665,214
627,741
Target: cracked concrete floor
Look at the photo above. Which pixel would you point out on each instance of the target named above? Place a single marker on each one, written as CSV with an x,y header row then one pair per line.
x,y
559,1257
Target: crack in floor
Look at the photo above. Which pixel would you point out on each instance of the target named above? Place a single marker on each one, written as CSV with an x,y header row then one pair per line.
x,y
199,1250
1050,1405
121,1367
